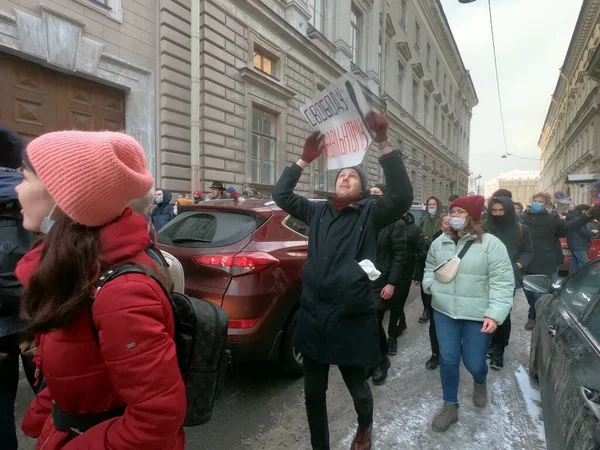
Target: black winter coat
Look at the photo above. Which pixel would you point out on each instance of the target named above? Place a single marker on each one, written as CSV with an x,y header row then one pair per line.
x,y
545,228
514,235
416,248
422,258
337,320
579,240
390,259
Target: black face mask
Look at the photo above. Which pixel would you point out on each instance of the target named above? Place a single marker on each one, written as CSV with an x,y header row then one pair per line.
x,y
499,219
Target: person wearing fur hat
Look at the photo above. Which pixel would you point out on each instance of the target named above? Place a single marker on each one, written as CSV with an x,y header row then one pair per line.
x,y
469,306
337,320
110,369
19,242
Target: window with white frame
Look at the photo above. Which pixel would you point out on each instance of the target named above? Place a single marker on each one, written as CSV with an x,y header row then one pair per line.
x,y
264,138
356,24
403,12
417,36
428,55
110,8
264,62
379,52
321,181
427,107
415,99
437,69
451,94
317,9
401,71
445,82
435,121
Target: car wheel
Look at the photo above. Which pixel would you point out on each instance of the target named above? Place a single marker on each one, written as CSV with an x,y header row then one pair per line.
x,y
290,358
533,355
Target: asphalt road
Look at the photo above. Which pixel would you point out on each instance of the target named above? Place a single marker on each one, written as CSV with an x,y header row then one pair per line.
x,y
262,409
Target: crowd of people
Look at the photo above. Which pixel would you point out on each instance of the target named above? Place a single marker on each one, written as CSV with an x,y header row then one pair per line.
x,y
109,373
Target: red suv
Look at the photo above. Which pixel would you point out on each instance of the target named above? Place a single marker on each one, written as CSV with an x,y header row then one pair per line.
x,y
247,257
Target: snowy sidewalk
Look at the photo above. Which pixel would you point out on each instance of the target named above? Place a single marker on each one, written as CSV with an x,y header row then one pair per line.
x,y
406,404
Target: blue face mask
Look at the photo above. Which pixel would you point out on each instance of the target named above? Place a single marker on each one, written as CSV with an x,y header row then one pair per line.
x,y
432,211
159,200
537,207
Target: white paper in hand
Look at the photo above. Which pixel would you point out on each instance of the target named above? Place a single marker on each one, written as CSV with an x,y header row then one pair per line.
x,y
339,112
370,269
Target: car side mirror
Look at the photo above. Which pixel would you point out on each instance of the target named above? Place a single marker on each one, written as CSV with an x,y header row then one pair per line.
x,y
540,284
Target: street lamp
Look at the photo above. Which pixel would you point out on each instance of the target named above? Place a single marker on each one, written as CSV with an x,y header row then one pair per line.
x,y
466,1
479,177
506,155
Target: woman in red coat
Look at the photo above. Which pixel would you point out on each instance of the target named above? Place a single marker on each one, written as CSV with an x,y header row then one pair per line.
x,y
120,388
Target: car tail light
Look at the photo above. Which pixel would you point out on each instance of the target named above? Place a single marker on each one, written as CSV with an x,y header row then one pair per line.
x,y
243,324
237,264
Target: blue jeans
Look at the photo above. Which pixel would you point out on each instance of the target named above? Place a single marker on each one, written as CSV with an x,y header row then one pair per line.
x,y
532,298
460,338
578,259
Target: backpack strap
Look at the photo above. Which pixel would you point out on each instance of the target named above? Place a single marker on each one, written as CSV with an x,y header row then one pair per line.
x,y
465,249
112,274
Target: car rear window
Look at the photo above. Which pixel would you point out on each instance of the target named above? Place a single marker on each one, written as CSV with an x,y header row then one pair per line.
x,y
208,228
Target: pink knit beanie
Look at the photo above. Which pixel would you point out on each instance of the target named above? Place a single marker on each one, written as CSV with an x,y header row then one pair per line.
x,y
76,165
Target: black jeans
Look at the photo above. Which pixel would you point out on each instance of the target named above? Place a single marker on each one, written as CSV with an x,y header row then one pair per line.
x,y
316,379
397,317
435,347
383,344
502,334
9,382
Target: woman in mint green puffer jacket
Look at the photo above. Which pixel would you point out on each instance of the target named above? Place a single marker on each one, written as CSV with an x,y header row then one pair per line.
x,y
483,286
468,309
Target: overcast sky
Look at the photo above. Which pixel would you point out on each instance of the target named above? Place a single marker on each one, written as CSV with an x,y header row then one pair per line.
x,y
532,37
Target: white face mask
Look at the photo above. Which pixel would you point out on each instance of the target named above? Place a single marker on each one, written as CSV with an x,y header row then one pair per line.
x,y
458,223
48,222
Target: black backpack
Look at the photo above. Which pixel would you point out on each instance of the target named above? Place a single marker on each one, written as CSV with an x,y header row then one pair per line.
x,y
200,338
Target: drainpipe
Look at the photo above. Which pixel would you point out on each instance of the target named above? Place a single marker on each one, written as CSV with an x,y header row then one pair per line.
x,y
382,37
195,97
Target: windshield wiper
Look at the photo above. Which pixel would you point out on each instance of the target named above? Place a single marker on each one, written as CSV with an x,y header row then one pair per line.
x,y
180,240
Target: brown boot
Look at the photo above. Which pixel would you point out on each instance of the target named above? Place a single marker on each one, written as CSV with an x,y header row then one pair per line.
x,y
363,440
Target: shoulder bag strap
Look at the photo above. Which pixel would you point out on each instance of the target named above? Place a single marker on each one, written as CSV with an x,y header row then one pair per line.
x,y
465,249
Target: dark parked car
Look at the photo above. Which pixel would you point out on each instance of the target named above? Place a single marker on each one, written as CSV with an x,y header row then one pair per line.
x,y
565,357
246,257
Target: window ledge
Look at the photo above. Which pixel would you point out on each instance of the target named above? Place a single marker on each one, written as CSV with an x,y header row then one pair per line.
x,y
114,12
268,82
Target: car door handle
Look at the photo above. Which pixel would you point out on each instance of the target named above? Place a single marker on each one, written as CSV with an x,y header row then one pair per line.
x,y
588,396
552,330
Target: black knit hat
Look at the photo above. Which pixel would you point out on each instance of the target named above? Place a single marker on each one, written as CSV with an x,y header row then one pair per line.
x,y
361,174
11,149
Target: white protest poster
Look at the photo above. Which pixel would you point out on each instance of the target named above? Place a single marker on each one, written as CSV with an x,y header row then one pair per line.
x,y
339,113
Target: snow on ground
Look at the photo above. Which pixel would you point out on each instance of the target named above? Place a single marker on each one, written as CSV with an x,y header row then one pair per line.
x,y
405,405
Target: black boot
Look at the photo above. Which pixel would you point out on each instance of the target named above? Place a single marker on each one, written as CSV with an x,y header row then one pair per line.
x,y
498,358
425,316
490,351
381,371
392,346
433,362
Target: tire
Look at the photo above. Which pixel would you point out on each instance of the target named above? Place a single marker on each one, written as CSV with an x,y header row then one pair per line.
x,y
533,355
290,359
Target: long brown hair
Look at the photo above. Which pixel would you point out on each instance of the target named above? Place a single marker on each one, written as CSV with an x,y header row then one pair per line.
x,y
473,227
60,288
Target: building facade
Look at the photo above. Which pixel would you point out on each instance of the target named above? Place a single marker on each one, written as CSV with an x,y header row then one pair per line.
x,y
523,184
127,64
570,138
79,64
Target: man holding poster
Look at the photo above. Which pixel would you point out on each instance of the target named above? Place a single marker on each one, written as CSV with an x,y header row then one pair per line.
x,y
337,321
